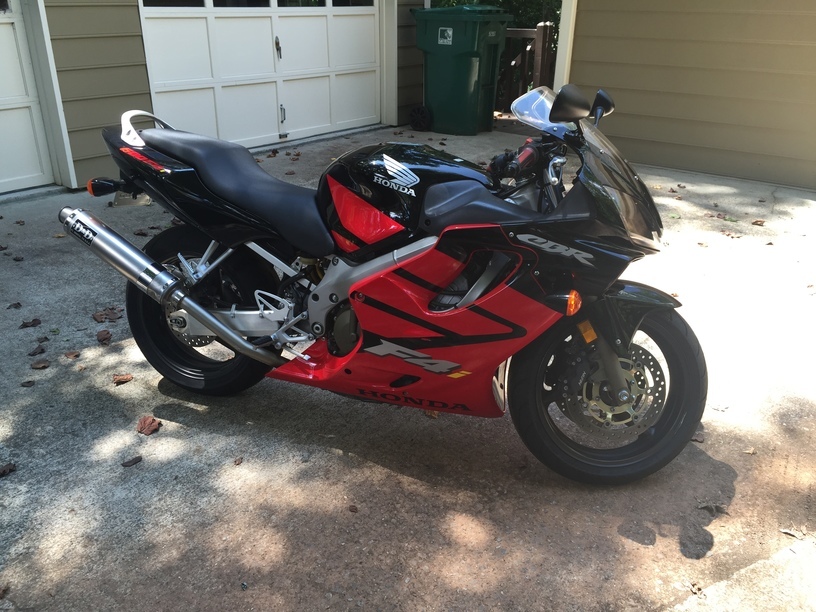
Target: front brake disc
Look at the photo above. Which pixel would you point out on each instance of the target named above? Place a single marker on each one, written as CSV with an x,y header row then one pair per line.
x,y
595,414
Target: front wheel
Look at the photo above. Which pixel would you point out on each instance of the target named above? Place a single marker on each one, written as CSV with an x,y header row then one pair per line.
x,y
579,432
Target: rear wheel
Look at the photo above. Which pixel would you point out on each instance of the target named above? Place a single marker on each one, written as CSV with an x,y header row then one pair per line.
x,y
198,363
579,431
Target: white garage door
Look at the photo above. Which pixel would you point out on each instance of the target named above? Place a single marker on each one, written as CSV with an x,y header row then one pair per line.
x,y
24,159
258,71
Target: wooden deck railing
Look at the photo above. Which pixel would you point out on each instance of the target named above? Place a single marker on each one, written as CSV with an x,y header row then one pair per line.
x,y
528,62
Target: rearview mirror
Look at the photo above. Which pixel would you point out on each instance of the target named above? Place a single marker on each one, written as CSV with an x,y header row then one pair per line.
x,y
570,105
602,106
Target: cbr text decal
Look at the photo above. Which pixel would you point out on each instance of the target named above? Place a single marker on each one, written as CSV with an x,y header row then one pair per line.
x,y
549,246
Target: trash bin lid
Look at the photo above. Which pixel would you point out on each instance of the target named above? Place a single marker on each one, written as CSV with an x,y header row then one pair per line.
x,y
463,12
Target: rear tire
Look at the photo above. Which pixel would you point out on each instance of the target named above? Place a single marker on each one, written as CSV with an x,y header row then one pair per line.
x,y
214,369
589,452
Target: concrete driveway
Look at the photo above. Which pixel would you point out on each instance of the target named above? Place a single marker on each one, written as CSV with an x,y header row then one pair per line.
x,y
289,498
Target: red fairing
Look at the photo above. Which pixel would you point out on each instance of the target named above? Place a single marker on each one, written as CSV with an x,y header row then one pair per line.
x,y
412,356
359,217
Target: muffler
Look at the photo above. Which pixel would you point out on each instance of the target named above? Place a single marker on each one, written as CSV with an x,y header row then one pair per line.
x,y
152,278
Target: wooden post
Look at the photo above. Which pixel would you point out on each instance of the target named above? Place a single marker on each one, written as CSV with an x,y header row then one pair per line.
x,y
543,55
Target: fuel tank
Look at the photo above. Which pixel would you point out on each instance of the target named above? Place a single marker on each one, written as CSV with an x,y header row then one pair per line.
x,y
372,198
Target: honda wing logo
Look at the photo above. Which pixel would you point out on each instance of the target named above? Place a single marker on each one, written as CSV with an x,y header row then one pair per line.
x,y
402,179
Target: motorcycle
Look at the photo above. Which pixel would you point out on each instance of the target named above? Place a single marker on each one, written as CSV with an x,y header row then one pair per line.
x,y
413,277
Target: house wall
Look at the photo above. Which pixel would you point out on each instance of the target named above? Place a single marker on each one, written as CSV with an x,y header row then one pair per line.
x,y
727,87
100,65
409,60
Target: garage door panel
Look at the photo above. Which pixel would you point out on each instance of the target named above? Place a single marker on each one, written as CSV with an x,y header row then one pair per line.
x,y
23,160
192,110
304,43
177,49
254,56
13,83
248,114
307,103
217,70
352,102
354,40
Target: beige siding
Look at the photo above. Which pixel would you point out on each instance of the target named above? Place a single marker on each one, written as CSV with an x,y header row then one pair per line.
x,y
727,87
101,69
409,60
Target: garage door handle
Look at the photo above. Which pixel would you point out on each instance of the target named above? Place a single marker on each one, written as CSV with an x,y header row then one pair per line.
x,y
283,113
278,48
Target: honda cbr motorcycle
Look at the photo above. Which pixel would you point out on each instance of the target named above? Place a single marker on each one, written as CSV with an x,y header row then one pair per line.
x,y
413,277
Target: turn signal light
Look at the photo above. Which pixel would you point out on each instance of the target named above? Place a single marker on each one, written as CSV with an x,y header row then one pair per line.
x,y
567,303
103,186
573,303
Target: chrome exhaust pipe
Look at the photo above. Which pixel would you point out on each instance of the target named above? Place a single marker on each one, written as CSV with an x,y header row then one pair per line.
x,y
152,278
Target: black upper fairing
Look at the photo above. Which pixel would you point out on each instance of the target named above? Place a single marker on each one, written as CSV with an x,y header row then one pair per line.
x,y
218,187
624,209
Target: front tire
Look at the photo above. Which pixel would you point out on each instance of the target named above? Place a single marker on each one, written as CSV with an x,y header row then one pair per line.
x,y
199,364
573,439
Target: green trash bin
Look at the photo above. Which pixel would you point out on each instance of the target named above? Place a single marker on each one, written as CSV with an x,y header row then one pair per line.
x,y
463,46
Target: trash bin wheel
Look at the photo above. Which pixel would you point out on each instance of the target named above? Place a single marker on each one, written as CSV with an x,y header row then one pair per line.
x,y
420,118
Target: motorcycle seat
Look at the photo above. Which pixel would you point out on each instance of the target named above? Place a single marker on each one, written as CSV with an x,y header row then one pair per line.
x,y
230,172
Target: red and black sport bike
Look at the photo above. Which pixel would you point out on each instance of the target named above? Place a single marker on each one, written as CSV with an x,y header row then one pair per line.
x,y
412,277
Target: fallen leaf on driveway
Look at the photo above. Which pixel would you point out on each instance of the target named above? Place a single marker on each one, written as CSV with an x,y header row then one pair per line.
x,y
140,232
20,222
131,462
2,248
681,186
353,508
43,339
148,425
290,173
672,190
109,314
759,222
72,354
31,323
104,337
14,306
121,379
794,533
27,383
38,350
238,461
18,258
698,437
750,451
432,414
7,469
40,364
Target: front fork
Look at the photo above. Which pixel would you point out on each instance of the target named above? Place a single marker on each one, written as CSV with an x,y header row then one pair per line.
x,y
610,324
